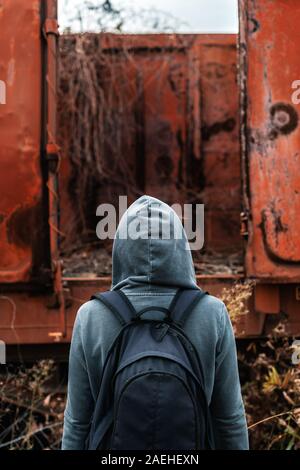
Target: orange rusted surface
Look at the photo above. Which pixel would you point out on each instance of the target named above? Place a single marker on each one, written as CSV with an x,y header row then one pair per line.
x,y
269,45
22,212
267,299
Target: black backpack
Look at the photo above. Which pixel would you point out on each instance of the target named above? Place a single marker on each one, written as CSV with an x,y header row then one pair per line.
x,y
152,387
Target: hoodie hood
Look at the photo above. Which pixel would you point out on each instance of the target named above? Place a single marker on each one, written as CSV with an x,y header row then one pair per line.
x,y
151,248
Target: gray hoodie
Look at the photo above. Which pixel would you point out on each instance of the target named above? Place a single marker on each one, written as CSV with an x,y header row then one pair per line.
x,y
150,270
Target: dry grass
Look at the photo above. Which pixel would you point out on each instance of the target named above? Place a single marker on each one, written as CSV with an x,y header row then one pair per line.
x,y
30,416
236,299
271,391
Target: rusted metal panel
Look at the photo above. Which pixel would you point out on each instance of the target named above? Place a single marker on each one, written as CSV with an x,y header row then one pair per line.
x,y
181,134
221,179
23,219
267,299
269,40
290,306
165,110
32,319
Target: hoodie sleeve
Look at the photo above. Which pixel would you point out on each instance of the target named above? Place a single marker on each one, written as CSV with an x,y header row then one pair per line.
x,y
227,408
80,402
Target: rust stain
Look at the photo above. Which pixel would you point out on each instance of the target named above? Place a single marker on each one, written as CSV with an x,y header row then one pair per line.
x,y
284,119
21,226
224,126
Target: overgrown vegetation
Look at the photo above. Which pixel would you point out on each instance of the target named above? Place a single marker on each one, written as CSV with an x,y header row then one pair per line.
x,y
31,408
95,128
271,391
270,382
100,106
236,299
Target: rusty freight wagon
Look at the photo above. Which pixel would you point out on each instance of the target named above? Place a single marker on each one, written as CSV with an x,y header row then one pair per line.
x,y
202,120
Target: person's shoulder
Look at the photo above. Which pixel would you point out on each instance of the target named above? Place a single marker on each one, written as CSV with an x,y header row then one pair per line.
x,y
215,307
95,313
214,303
90,309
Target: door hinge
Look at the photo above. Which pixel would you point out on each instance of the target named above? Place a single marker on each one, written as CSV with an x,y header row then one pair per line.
x,y
51,26
60,302
53,157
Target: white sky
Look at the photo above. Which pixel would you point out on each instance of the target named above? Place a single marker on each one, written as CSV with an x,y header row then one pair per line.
x,y
195,16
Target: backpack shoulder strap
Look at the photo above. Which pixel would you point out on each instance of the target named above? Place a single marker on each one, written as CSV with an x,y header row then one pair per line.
x,y
183,303
118,304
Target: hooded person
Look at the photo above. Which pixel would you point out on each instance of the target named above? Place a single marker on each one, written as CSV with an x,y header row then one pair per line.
x,y
149,270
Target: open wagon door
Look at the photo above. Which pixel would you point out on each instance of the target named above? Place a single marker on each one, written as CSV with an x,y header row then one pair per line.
x,y
28,154
269,52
